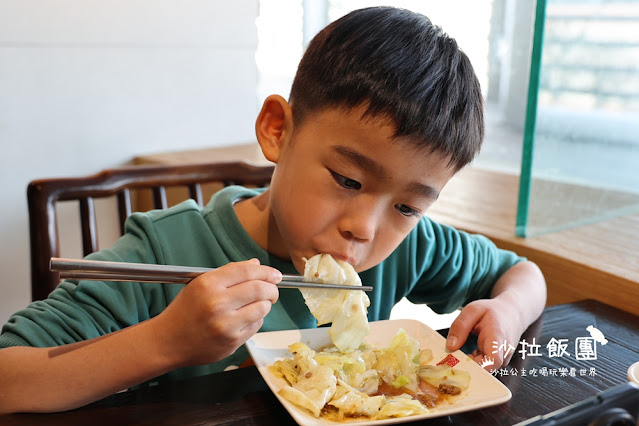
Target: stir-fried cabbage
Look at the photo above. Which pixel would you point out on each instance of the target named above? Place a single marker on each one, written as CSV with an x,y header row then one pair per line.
x,y
398,363
354,368
312,384
318,385
298,398
346,310
438,375
352,402
352,378
401,406
351,383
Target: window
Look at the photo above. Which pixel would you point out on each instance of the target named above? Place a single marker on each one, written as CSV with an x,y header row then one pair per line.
x,y
587,119
586,148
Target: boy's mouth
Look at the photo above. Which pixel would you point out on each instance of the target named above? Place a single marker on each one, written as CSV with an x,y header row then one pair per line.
x,y
338,256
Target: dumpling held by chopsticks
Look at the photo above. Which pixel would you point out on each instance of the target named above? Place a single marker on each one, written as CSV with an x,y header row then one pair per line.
x,y
345,309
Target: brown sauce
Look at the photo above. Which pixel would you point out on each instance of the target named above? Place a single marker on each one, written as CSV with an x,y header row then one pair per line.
x,y
428,395
332,414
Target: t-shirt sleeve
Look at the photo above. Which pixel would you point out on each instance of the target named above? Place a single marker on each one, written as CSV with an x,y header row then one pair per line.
x,y
450,268
80,310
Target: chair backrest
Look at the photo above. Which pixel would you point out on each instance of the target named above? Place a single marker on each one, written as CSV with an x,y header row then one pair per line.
x,y
43,194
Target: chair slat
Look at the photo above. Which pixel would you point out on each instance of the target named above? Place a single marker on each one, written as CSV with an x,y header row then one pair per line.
x,y
43,194
195,192
159,197
89,229
124,207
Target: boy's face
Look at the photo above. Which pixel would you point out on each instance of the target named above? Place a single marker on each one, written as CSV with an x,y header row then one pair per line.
x,y
344,186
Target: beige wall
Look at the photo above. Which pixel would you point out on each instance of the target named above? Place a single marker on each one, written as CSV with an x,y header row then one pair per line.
x,y
89,84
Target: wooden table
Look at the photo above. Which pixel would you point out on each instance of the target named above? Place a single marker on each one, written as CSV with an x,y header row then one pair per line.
x,y
242,397
593,261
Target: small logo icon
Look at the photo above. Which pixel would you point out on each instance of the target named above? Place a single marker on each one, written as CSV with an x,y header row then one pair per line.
x,y
485,362
596,334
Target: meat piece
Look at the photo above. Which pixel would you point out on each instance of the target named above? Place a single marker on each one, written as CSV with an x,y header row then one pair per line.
x,y
448,389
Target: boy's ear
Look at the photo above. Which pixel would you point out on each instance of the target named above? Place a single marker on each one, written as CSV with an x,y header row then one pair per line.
x,y
274,126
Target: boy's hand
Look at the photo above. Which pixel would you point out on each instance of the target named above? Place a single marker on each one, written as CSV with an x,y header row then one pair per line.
x,y
497,328
518,298
217,312
207,321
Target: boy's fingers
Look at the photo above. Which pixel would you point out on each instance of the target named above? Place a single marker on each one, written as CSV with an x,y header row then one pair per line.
x,y
461,327
239,272
250,329
496,348
251,319
244,294
255,312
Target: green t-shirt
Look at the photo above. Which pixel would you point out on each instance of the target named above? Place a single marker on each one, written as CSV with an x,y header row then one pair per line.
x,y
435,264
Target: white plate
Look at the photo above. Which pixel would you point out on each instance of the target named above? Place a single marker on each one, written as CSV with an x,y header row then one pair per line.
x,y
484,391
633,373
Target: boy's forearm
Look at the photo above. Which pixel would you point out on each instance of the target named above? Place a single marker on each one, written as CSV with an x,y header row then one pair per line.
x,y
523,286
70,376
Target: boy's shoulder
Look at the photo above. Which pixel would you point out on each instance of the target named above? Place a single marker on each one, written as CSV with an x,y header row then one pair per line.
x,y
159,214
220,200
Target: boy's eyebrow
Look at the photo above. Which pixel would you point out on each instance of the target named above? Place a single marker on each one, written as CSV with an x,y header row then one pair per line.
x,y
426,191
375,168
361,160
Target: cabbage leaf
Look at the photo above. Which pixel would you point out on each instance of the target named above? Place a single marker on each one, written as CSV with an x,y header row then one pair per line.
x,y
346,310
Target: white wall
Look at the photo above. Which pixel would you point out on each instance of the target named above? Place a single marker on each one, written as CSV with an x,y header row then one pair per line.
x,y
89,84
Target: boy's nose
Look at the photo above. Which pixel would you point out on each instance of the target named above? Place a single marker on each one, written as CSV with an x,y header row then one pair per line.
x,y
360,221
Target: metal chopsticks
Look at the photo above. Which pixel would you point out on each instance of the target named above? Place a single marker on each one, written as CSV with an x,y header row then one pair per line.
x,y
169,274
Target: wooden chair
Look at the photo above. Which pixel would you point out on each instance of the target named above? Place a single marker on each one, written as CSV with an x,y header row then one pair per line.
x,y
43,194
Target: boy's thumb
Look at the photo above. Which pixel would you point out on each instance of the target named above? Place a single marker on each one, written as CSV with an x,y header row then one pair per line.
x,y
451,342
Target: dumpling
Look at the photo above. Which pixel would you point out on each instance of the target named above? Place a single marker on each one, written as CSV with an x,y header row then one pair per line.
x,y
346,310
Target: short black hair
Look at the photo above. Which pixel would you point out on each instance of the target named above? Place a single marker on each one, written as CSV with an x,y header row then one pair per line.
x,y
404,68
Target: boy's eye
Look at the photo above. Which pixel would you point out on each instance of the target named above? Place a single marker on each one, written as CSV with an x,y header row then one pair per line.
x,y
406,211
346,182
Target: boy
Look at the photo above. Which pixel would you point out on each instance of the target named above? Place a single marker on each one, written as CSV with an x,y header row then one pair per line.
x,y
383,111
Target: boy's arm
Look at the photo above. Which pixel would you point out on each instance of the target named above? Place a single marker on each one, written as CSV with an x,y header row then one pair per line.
x,y
208,320
517,300
65,377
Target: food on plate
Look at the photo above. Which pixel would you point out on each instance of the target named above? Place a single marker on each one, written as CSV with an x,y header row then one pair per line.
x,y
351,380
368,383
346,310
